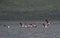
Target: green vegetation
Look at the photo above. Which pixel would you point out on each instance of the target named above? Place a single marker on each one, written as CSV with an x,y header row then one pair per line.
x,y
30,5
29,9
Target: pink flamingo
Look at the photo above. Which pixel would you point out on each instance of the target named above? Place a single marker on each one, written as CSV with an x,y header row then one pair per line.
x,y
46,24
27,26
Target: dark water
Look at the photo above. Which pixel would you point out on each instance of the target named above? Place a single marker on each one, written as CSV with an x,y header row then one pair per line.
x,y
53,31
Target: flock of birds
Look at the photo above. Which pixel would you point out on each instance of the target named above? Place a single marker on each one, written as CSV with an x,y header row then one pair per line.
x,y
45,24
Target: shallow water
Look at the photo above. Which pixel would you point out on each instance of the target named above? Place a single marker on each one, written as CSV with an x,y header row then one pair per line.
x,y
53,30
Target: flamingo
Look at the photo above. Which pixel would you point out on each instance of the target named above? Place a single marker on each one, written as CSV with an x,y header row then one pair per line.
x,y
46,24
27,26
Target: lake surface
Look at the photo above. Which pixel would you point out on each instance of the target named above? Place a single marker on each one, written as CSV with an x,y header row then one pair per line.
x,y
53,30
